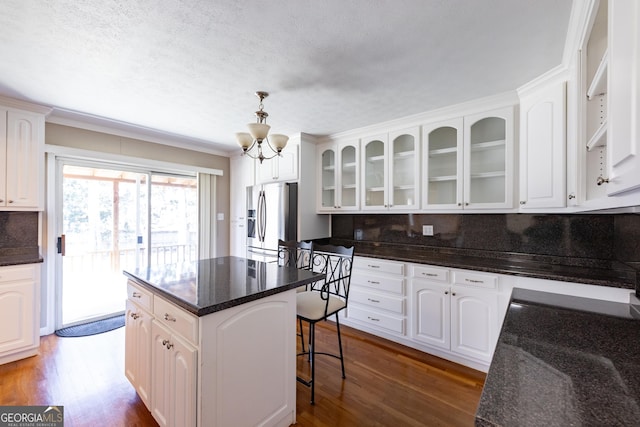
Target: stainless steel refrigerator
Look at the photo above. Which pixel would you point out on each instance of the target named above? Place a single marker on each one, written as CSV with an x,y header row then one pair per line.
x,y
272,214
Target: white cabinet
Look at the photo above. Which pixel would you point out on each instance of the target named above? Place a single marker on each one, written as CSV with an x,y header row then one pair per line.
x,y
338,175
173,367
279,168
624,96
376,296
22,160
19,312
468,162
462,319
241,176
138,318
543,147
391,171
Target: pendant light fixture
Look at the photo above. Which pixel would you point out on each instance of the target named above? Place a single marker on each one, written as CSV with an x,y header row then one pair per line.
x,y
252,142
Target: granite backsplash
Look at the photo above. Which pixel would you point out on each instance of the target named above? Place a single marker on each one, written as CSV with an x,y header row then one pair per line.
x,y
19,238
607,237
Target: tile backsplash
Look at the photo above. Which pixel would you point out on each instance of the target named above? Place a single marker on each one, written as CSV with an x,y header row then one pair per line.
x,y
601,236
18,229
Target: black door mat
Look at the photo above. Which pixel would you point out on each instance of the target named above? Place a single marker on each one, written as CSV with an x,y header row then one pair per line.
x,y
92,328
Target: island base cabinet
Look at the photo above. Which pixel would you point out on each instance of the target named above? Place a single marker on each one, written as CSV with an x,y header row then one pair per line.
x,y
173,378
137,368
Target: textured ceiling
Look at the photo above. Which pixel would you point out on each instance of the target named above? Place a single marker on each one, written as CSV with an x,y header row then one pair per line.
x,y
190,67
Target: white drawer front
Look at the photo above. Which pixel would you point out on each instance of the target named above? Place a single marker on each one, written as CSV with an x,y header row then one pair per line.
x,y
376,300
18,272
381,283
140,296
185,324
431,273
378,266
475,279
391,323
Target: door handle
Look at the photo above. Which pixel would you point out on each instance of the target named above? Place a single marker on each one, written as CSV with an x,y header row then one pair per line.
x,y
61,245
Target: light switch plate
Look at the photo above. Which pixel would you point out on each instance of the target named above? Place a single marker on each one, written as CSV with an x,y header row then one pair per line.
x,y
427,230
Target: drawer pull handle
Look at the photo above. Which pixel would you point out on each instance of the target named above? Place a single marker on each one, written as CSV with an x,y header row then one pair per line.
x,y
430,274
373,282
373,266
169,318
136,295
474,281
373,319
373,300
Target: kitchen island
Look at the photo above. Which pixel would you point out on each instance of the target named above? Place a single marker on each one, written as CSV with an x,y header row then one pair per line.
x,y
564,361
212,343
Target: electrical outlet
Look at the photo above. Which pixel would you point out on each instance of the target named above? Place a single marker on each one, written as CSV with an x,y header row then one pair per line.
x,y
427,230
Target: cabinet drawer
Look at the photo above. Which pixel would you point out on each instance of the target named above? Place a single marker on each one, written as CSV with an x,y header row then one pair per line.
x,y
476,280
140,296
18,272
381,283
378,266
176,318
376,300
431,273
391,323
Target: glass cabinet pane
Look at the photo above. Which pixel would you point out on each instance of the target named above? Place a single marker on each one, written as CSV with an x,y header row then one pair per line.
x,y
328,178
442,145
404,170
374,173
349,171
487,161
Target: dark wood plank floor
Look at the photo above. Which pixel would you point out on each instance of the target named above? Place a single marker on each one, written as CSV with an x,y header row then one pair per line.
x,y
386,385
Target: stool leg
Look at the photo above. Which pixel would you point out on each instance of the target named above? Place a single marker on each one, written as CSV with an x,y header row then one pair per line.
x,y
340,345
301,334
312,350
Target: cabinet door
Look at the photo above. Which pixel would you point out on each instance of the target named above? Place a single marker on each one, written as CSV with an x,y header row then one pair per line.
x,y
161,393
25,160
404,169
624,96
374,173
474,322
430,304
348,182
488,160
183,359
286,165
543,148
138,350
442,164
17,307
241,175
327,177
3,156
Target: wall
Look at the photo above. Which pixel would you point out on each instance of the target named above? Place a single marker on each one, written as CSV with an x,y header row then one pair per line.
x,y
604,237
66,136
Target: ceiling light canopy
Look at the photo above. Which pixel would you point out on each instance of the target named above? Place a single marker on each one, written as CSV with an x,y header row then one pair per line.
x,y
252,141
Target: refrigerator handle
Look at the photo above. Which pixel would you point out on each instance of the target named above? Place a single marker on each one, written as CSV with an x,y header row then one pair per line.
x,y
262,216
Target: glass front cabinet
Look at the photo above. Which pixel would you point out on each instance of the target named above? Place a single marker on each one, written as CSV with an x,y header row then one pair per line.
x,y
390,171
468,162
338,177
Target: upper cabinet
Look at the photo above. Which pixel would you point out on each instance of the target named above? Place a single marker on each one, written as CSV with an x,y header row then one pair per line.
x,y
279,168
624,96
543,147
338,176
22,160
391,171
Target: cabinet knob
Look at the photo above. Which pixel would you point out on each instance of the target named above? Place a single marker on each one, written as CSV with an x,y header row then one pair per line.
x,y
459,204
1,201
453,294
135,316
523,202
600,180
136,295
169,318
466,203
11,201
446,292
572,196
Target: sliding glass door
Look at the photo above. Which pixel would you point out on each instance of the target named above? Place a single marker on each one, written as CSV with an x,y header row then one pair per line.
x,y
113,219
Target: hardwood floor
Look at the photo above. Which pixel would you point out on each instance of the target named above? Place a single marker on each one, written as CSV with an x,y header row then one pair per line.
x,y
386,385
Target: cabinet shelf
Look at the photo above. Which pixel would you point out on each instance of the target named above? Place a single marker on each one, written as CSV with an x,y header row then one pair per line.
x,y
598,85
375,189
488,145
599,137
404,187
443,151
375,159
404,154
349,165
329,188
487,175
328,168
348,186
443,178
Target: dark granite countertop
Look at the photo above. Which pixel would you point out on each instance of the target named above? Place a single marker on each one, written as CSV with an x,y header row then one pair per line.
x,y
563,361
210,285
578,270
18,256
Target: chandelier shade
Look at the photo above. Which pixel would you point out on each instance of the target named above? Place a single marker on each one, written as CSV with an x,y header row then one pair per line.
x,y
252,142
